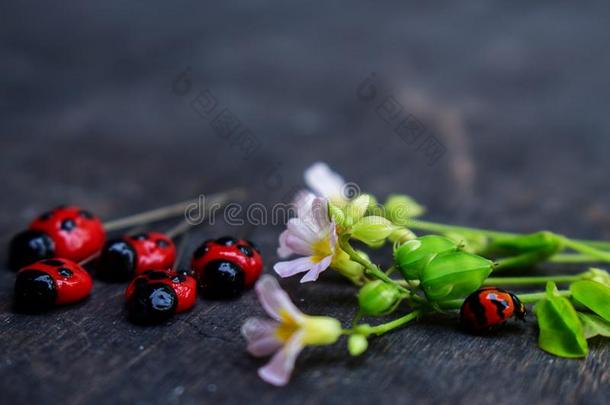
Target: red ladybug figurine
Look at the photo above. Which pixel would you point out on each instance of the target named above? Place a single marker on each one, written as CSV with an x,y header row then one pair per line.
x,y
122,259
51,282
68,232
226,266
155,295
488,307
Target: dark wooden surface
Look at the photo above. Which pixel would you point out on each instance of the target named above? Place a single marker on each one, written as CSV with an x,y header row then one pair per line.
x,y
517,93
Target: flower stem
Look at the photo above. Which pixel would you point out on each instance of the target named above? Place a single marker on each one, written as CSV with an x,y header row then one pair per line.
x,y
572,258
499,281
443,228
587,250
369,267
388,326
530,298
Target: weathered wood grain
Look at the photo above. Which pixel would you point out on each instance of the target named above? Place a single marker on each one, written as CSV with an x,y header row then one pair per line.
x,y
517,95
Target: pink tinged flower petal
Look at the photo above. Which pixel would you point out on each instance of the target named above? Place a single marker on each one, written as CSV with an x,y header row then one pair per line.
x,y
298,246
319,213
284,251
314,273
292,267
321,179
260,335
302,229
303,202
279,369
333,236
274,300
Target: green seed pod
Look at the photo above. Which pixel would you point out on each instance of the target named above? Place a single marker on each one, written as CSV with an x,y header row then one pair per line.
x,y
412,256
454,275
378,298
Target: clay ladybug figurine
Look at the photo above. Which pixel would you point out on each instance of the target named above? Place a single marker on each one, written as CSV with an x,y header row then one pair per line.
x,y
122,259
51,282
488,307
226,266
67,231
156,295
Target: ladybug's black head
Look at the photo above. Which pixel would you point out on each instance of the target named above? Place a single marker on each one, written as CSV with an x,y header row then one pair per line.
x,y
35,291
117,260
152,303
520,310
29,247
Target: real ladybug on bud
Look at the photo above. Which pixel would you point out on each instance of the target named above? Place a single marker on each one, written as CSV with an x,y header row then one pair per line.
x,y
488,307
122,259
68,232
226,266
51,282
156,295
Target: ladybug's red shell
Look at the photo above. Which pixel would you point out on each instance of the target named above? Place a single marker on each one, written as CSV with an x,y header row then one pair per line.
x,y
63,282
77,233
153,250
183,284
488,307
238,251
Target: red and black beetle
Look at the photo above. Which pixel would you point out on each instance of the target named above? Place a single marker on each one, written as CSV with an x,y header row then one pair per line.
x,y
69,232
155,295
122,259
488,307
226,266
51,282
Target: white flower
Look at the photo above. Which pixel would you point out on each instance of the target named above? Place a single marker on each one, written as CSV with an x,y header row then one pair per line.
x,y
287,334
324,182
312,235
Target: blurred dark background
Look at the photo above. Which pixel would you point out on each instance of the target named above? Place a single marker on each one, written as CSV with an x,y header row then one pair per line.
x,y
94,111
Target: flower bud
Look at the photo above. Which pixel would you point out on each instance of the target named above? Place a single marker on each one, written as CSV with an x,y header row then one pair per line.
x,y
402,235
372,230
599,275
412,256
356,208
454,275
399,208
378,298
336,214
357,344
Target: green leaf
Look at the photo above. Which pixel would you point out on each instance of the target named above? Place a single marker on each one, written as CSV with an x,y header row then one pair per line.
x,y
593,325
454,275
561,332
592,295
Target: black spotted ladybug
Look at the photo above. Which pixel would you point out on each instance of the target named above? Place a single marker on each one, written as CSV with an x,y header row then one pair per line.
x,y
50,282
226,266
155,295
122,259
68,232
488,307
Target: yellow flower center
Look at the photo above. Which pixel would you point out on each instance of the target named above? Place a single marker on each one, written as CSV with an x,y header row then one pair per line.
x,y
287,326
321,249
